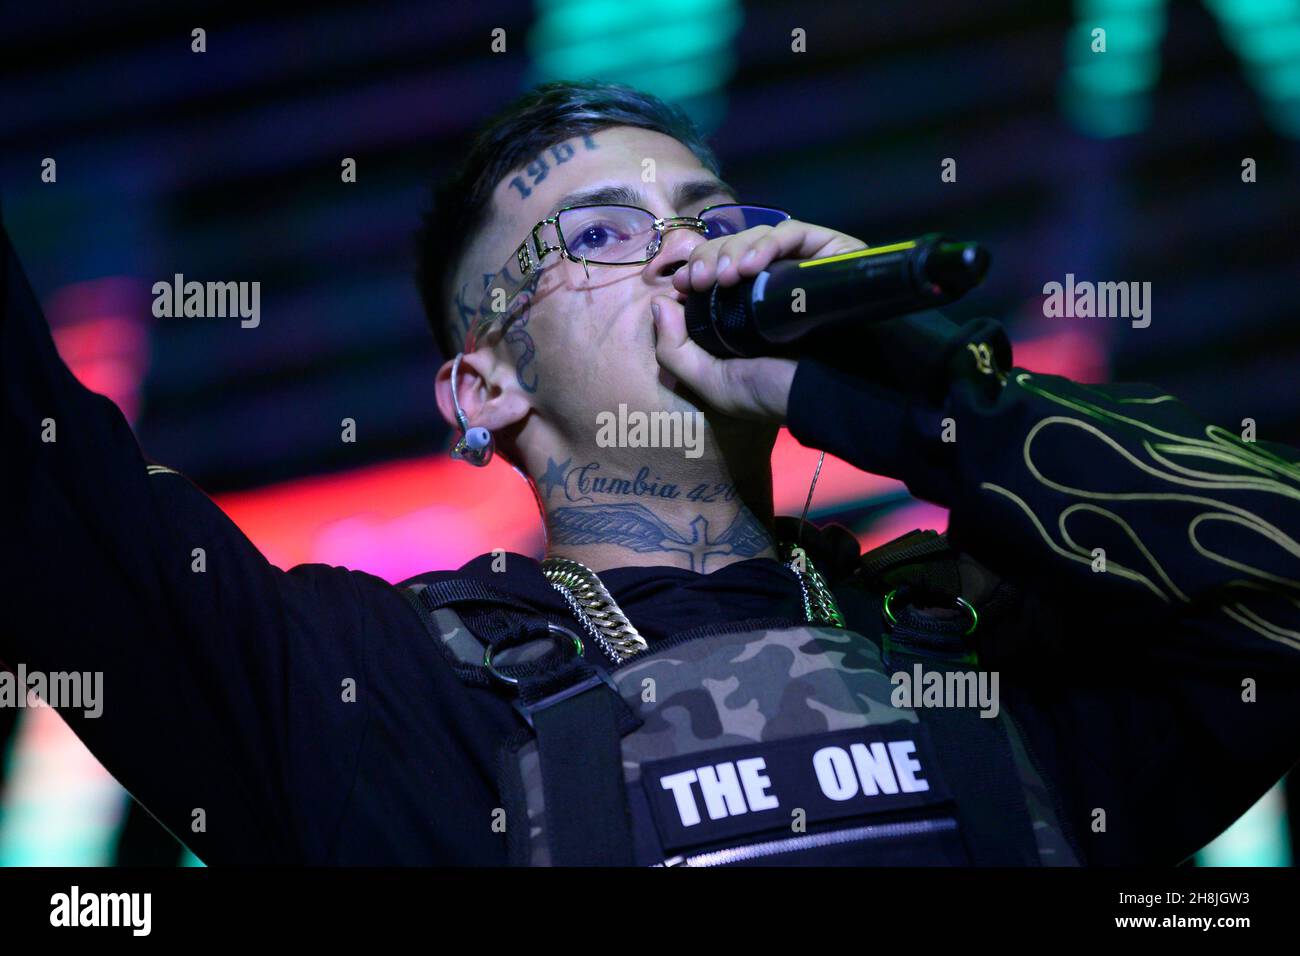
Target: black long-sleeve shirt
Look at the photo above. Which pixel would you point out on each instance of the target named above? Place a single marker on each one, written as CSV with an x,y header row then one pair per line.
x,y
266,715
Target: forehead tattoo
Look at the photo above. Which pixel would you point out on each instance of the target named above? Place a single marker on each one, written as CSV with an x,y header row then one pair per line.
x,y
537,168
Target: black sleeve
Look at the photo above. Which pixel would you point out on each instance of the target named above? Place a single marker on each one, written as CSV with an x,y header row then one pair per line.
x,y
218,670
1163,551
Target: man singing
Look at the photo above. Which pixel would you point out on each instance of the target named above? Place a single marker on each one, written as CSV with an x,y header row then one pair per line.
x,y
1098,663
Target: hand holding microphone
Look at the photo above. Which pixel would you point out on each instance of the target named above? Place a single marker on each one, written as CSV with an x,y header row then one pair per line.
x,y
830,298
789,301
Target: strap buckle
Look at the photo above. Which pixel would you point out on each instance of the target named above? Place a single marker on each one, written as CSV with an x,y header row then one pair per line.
x,y
551,627
962,605
594,678
583,678
942,644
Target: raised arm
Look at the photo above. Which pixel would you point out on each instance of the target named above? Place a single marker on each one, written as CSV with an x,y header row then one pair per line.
x,y
123,570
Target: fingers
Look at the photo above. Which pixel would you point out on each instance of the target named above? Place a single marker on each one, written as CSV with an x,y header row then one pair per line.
x,y
757,388
710,259
678,353
726,261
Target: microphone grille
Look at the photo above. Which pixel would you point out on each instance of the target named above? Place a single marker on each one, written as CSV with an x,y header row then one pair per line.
x,y
699,321
719,319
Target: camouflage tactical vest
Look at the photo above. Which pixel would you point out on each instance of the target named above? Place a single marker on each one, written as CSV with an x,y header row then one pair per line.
x,y
778,743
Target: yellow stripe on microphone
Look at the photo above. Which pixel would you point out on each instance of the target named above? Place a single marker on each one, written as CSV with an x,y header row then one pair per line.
x,y
873,251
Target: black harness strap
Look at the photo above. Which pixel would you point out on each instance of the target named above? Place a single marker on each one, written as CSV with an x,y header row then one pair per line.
x,y
977,764
490,624
917,545
580,719
577,716
973,751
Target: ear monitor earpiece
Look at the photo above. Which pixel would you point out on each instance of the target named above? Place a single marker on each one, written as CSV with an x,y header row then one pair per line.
x,y
475,447
475,444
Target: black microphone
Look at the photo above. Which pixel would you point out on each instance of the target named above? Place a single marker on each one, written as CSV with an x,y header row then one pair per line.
x,y
789,300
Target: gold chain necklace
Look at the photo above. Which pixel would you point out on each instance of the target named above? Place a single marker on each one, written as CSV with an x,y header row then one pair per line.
x,y
596,608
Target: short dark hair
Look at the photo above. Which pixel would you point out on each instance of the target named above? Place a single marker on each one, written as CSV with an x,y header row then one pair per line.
x,y
542,117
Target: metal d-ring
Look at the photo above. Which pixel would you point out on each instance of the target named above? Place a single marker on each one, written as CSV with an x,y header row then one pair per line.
x,y
961,603
487,653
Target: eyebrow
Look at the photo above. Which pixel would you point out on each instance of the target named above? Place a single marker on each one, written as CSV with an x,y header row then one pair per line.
x,y
685,195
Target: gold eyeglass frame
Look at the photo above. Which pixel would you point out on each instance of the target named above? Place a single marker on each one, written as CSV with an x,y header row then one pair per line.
x,y
529,261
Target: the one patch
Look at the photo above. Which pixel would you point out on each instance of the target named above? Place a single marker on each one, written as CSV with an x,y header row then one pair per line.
x,y
736,791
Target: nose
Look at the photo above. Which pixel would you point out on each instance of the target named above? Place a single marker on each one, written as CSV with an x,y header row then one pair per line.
x,y
678,243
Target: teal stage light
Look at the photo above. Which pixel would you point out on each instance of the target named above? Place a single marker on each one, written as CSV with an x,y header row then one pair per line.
x,y
679,50
1107,93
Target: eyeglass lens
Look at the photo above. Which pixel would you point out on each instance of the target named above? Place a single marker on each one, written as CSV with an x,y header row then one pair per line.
x,y
612,235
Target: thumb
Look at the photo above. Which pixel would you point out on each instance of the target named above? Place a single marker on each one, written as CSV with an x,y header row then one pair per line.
x,y
679,353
